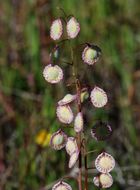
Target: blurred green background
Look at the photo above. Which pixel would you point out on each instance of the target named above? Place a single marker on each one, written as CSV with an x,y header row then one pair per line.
x,y
27,101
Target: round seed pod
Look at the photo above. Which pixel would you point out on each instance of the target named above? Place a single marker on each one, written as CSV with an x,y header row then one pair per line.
x,y
73,28
91,54
61,185
64,114
78,123
71,145
98,97
53,74
58,140
103,180
101,131
56,30
73,159
67,99
104,163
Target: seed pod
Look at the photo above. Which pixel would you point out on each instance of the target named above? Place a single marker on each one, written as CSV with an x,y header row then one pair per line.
x,y
91,54
56,29
103,180
101,131
67,99
73,159
73,28
71,145
53,74
64,114
78,123
61,185
104,163
58,140
84,96
98,97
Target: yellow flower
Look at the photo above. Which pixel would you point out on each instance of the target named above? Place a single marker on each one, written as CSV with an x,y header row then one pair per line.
x,y
43,138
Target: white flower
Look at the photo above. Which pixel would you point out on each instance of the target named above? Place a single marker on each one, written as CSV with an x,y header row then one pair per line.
x,y
73,28
98,97
53,74
56,29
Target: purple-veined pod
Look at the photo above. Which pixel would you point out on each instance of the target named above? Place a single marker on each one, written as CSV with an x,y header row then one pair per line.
x,y
98,97
64,114
58,140
56,29
53,74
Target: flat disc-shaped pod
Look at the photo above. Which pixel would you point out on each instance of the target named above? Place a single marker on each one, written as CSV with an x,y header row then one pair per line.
x,y
104,163
103,180
78,122
71,145
61,185
73,27
67,99
53,74
73,159
101,131
91,54
58,140
64,114
56,29
98,97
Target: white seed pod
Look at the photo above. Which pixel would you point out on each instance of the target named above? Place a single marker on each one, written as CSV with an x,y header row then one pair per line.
x,y
78,123
58,140
73,159
56,29
98,97
103,180
71,145
73,28
104,163
67,99
91,54
64,114
61,185
53,74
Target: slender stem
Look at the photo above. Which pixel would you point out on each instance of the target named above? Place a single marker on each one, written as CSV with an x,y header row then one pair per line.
x,y
85,165
69,177
90,168
89,152
78,135
62,10
78,88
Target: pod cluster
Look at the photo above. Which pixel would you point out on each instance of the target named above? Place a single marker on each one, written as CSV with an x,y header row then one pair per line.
x,y
104,163
53,74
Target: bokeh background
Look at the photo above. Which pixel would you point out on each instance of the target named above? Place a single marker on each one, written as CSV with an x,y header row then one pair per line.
x,y
28,102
